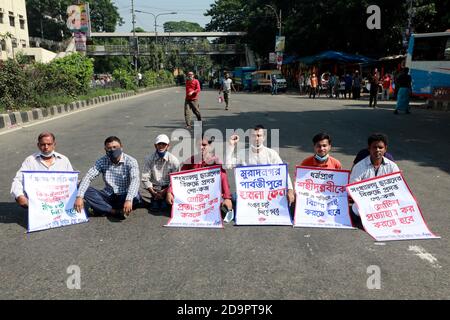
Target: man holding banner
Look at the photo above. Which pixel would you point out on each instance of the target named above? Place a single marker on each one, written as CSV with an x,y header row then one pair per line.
x,y
47,159
375,164
203,160
321,157
257,154
121,175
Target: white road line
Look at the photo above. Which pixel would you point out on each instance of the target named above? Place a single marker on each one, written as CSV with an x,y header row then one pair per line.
x,y
424,255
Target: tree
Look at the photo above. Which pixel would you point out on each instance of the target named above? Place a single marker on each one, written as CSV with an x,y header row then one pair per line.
x,y
48,17
182,26
312,26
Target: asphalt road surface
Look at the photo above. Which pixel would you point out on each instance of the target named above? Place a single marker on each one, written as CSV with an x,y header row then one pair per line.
x,y
140,259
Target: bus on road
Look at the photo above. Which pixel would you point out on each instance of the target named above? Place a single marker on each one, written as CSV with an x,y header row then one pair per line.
x,y
428,60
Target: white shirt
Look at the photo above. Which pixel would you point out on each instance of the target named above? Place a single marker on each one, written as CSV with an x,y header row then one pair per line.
x,y
36,163
156,170
365,170
227,84
249,157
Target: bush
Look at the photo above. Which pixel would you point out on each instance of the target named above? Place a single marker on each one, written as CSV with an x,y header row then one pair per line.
x,y
14,85
71,74
125,78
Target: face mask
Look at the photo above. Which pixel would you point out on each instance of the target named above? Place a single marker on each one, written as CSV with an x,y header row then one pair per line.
x,y
113,155
47,155
161,154
321,159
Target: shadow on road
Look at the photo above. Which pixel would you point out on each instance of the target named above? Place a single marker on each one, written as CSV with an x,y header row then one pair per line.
x,y
417,137
10,212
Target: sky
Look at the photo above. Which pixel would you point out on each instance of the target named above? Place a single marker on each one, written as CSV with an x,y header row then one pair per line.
x,y
188,10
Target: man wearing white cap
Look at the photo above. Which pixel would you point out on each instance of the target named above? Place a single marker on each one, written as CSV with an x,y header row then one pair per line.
x,y
155,175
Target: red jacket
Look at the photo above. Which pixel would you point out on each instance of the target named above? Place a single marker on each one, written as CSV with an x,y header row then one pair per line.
x,y
192,85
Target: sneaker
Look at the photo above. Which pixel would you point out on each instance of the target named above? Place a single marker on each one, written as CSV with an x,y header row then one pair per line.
x,y
226,108
408,112
395,112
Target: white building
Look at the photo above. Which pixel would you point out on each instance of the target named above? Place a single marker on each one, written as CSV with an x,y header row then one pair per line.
x,y
14,33
13,22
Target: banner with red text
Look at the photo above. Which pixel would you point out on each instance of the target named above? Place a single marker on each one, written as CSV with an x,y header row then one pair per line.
x,y
261,195
197,197
321,199
388,209
51,196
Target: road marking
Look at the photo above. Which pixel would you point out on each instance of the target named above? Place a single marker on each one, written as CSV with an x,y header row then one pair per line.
x,y
424,255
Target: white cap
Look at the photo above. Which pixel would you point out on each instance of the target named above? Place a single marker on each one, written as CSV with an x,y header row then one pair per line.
x,y
162,138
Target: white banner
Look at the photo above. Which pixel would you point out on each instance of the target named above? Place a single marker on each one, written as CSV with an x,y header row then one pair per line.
x,y
321,198
261,195
51,196
197,196
388,209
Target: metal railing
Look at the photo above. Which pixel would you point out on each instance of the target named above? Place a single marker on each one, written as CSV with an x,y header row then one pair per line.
x,y
168,48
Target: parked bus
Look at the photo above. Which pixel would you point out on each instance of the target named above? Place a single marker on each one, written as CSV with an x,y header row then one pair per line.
x,y
428,60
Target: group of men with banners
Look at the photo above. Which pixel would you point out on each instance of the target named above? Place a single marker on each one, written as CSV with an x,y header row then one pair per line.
x,y
199,194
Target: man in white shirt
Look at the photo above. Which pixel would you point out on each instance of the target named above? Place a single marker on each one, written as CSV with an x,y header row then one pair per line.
x,y
155,175
374,165
226,86
47,159
256,154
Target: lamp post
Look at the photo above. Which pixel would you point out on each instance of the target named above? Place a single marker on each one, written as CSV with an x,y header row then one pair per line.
x,y
156,17
278,17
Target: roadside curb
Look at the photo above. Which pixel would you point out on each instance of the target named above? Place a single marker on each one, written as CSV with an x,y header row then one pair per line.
x,y
17,119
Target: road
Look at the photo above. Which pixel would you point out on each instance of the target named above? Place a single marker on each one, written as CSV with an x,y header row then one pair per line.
x,y
140,259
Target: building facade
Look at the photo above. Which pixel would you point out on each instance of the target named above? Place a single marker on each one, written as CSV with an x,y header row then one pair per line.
x,y
13,27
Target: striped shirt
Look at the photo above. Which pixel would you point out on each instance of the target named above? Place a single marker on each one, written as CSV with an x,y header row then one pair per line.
x,y
121,178
35,163
156,170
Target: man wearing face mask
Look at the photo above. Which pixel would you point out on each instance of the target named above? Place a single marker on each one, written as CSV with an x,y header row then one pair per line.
x,y
206,158
191,100
256,154
121,175
321,157
47,159
155,175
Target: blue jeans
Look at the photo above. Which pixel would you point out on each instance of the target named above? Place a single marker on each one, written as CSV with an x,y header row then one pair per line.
x,y
101,202
274,89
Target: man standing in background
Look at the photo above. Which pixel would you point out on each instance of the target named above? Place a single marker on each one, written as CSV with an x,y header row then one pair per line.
x,y
191,100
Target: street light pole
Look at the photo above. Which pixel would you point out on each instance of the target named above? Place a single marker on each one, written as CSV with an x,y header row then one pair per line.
x,y
135,42
278,17
156,17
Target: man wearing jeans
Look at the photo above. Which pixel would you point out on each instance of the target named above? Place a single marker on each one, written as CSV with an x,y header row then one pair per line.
x,y
121,176
191,100
226,86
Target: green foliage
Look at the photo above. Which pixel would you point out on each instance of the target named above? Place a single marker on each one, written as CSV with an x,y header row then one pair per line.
x,y
182,26
314,26
71,74
153,78
104,17
126,79
14,90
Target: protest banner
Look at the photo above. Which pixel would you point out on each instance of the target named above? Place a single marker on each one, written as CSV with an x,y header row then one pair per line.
x,y
261,195
321,199
388,210
197,196
51,196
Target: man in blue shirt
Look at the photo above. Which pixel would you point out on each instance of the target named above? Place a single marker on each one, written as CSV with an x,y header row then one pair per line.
x,y
121,176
